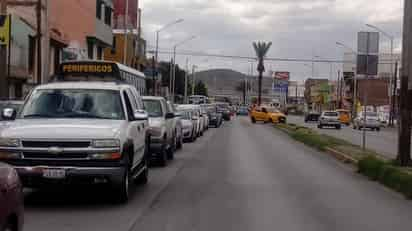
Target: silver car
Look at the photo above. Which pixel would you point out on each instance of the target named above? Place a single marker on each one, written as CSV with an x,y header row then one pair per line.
x,y
161,129
329,119
372,121
188,125
196,118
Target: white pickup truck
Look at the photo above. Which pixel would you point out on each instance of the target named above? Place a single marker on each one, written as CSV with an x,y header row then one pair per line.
x,y
79,132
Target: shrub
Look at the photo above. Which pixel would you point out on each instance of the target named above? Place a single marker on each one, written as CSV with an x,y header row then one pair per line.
x,y
371,167
310,139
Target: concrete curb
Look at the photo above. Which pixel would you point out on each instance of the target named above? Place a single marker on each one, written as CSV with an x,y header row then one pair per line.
x,y
341,156
331,151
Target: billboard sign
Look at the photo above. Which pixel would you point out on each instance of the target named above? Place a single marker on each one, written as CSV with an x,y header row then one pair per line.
x,y
4,30
282,75
368,53
280,86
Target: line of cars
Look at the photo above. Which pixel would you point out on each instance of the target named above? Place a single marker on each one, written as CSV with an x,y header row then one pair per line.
x,y
90,133
335,119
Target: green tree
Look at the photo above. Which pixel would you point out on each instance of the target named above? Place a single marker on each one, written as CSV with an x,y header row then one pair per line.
x,y
261,49
200,88
164,68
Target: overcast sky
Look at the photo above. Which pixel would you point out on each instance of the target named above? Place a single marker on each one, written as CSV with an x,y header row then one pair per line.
x,y
297,28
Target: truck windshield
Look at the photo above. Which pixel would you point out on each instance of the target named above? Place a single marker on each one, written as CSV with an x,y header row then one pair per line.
x,y
153,107
74,103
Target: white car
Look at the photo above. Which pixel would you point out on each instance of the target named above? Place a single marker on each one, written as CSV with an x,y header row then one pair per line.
x,y
162,131
188,125
92,132
329,119
372,121
196,118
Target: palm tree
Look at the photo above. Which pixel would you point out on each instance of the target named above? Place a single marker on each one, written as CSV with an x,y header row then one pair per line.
x,y
261,49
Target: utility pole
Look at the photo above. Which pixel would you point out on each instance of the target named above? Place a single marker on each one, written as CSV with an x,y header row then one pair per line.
x,y
186,82
153,76
404,145
39,46
126,31
394,95
4,88
194,79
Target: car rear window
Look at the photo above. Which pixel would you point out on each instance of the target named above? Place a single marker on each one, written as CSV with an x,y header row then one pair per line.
x,y
330,114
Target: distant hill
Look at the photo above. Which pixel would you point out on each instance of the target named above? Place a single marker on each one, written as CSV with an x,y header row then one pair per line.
x,y
225,81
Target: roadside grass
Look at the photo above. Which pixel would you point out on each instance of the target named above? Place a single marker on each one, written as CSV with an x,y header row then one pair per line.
x,y
369,163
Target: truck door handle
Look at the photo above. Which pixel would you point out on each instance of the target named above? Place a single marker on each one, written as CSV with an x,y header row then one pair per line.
x,y
138,128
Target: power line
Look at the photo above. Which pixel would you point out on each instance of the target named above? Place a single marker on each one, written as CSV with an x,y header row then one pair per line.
x,y
297,60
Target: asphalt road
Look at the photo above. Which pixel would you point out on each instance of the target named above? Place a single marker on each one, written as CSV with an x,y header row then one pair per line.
x,y
242,176
384,142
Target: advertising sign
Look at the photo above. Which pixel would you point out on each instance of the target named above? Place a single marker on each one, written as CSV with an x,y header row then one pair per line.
x,y
4,30
368,51
282,75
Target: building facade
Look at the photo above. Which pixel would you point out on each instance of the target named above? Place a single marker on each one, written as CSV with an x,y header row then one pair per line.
x,y
128,46
24,55
376,89
87,25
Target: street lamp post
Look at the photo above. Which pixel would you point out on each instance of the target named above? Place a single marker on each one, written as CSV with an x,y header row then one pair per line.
x,y
391,97
173,80
194,79
157,41
160,30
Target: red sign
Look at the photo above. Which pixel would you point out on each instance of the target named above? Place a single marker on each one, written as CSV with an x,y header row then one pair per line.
x,y
282,75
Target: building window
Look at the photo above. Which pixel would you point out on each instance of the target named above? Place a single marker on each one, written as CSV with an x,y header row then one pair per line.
x,y
113,51
108,16
90,47
99,52
99,9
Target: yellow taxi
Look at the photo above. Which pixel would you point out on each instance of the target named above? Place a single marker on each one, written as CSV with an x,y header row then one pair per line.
x,y
267,114
344,116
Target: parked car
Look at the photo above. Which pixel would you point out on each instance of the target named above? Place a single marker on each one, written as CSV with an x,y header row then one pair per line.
x,y
205,117
79,132
196,118
329,119
243,111
215,118
372,121
161,129
312,116
188,125
224,109
11,199
177,126
13,104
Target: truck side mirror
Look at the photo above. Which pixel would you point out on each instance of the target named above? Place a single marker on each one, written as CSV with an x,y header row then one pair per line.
x,y
141,115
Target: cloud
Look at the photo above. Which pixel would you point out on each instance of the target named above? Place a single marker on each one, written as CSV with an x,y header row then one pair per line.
x,y
297,28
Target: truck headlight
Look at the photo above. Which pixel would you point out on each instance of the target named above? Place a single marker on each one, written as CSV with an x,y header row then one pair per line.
x,y
106,156
106,143
8,142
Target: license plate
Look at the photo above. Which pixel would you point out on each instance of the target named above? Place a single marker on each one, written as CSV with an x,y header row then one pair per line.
x,y
54,173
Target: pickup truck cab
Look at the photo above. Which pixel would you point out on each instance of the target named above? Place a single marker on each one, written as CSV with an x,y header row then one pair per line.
x,y
163,136
79,132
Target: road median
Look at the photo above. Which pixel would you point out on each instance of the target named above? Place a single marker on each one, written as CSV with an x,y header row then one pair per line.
x,y
369,163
